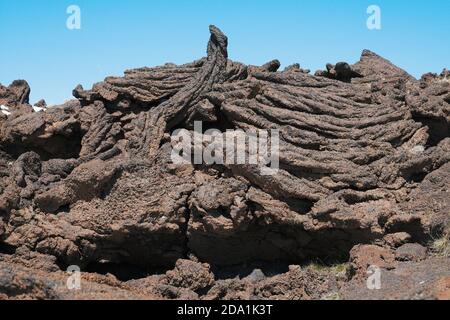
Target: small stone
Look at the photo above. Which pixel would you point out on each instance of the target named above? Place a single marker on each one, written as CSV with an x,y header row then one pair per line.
x,y
397,239
41,104
411,252
294,268
256,276
293,67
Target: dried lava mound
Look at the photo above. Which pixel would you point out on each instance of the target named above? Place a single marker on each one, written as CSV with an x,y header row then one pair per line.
x,y
364,161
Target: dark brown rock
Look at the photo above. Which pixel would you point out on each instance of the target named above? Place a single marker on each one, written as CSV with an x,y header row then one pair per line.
x,y
16,94
411,252
364,163
41,104
362,257
190,275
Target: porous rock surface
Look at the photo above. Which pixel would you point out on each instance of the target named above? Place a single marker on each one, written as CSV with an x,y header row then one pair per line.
x,y
364,170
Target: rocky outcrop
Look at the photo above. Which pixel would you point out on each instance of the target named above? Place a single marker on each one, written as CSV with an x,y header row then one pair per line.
x,y
364,159
17,93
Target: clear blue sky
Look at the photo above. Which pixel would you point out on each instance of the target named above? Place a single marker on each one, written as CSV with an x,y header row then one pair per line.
x,y
121,34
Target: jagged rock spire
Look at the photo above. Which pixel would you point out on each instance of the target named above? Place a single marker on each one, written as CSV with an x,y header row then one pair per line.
x,y
218,41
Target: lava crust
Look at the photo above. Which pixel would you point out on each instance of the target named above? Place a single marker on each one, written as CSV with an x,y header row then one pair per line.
x,y
364,172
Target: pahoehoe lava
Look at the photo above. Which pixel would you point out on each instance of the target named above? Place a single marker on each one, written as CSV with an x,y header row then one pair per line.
x,y
364,180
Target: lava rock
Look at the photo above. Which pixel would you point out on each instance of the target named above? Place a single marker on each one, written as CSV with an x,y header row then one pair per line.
x,y
411,252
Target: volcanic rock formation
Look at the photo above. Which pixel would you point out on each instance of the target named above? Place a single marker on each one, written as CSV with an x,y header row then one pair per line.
x,y
364,170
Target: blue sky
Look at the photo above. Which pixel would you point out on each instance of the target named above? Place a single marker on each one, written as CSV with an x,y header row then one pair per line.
x,y
121,34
